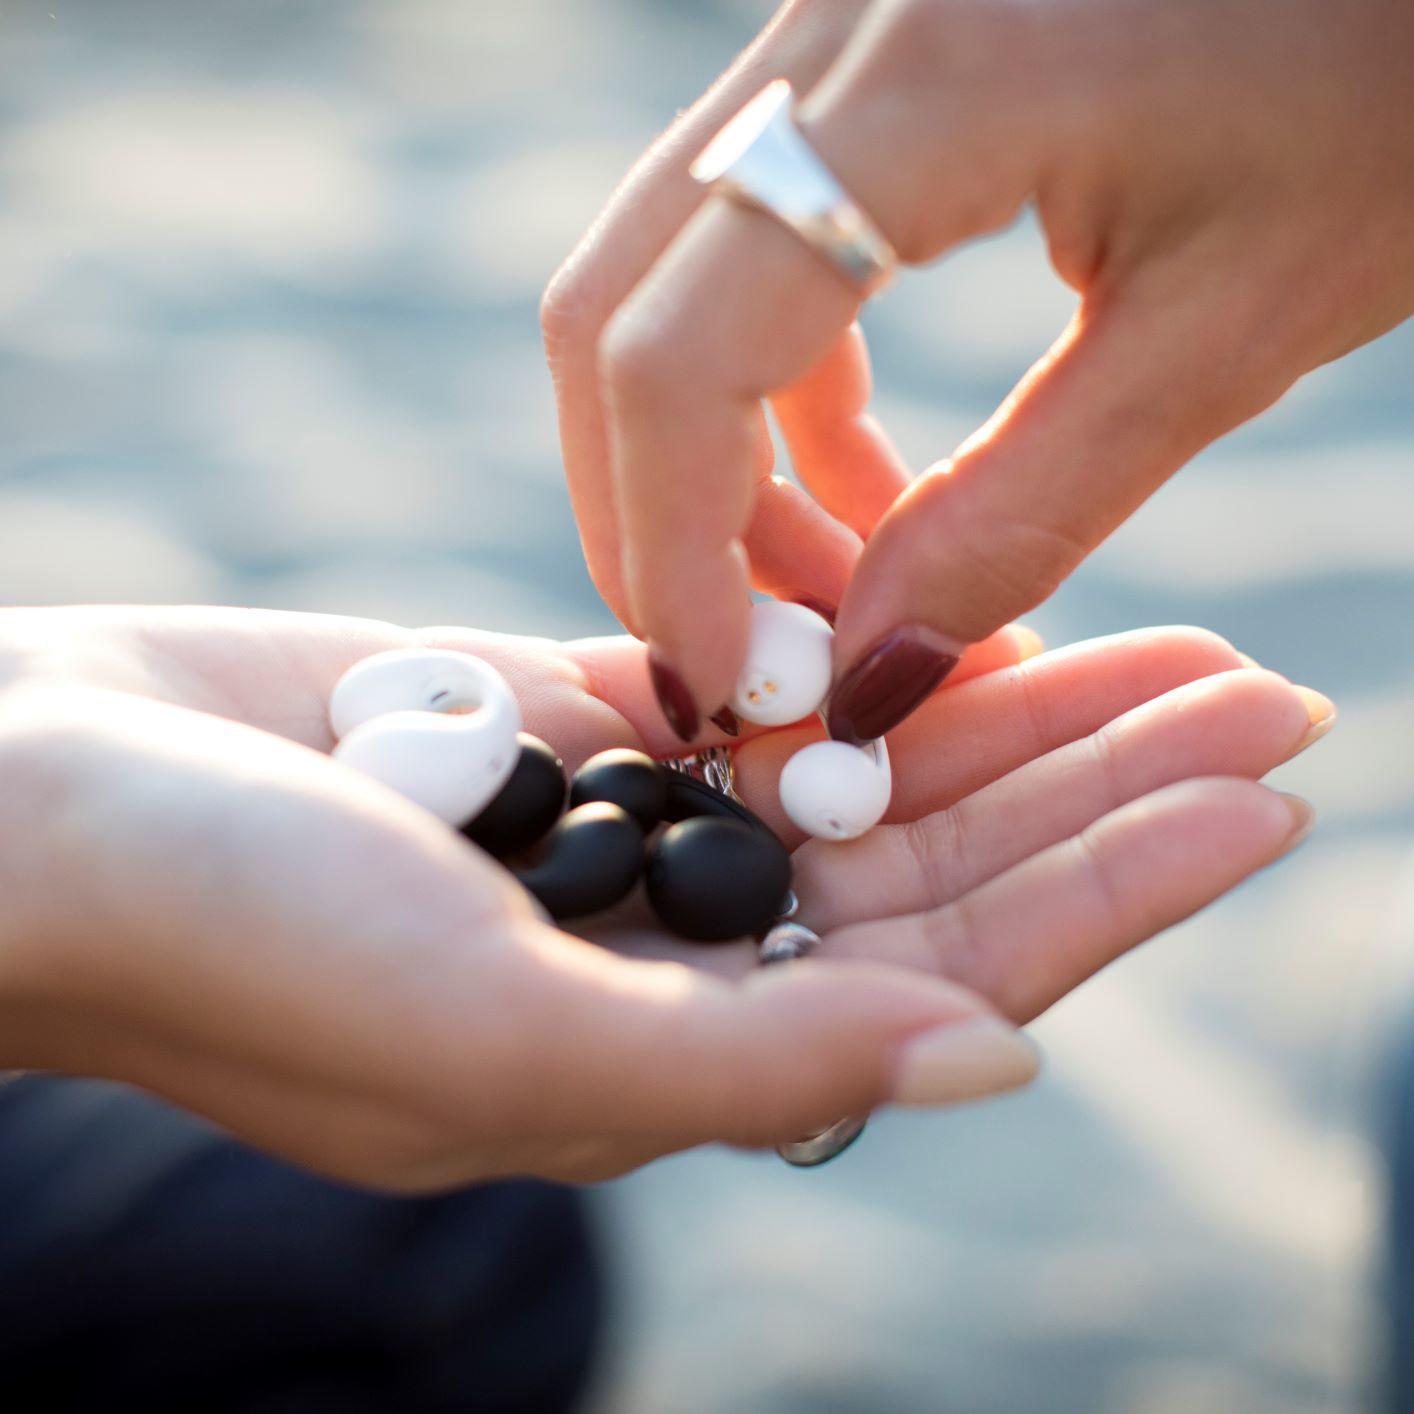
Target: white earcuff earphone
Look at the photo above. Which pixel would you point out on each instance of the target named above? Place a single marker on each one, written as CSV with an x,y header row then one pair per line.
x,y
437,726
788,665
836,791
829,788
440,727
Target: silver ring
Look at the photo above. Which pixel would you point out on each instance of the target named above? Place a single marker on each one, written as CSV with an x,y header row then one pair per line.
x,y
760,158
820,1148
784,943
787,941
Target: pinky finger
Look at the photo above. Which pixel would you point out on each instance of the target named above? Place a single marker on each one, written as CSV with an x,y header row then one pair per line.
x,y
1027,937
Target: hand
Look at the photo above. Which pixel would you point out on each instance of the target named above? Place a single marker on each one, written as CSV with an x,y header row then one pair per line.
x,y
200,902
1228,186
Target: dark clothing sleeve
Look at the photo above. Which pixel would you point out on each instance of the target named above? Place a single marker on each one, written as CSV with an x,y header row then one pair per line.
x,y
150,1263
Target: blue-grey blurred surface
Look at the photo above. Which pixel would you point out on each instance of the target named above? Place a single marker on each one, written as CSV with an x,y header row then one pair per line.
x,y
268,285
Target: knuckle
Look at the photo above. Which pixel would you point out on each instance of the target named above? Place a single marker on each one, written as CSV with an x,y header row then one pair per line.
x,y
986,73
563,311
952,937
992,41
1036,711
635,357
933,845
966,950
1109,904
1015,562
1109,765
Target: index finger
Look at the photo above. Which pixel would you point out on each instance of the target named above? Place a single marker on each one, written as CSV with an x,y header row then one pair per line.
x,y
737,308
642,216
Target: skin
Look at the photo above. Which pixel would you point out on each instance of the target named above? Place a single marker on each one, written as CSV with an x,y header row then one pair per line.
x,y
200,901
1228,187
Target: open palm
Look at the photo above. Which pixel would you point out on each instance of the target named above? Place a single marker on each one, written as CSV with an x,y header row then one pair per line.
x,y
205,904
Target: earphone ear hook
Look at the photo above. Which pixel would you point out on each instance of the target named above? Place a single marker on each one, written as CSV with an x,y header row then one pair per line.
x,y
419,679
452,765
878,751
491,698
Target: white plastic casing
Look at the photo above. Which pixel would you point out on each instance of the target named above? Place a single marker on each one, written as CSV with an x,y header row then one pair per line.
x,y
436,726
835,791
788,665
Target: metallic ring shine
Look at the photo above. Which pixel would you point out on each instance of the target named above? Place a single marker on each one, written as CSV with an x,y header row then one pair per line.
x,y
713,766
762,159
787,941
820,1148
784,943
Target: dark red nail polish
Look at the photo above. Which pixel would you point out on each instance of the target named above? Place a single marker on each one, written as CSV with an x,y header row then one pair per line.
x,y
726,721
887,682
817,606
673,696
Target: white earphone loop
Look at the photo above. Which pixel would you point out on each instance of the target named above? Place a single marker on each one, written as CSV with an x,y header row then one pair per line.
x,y
417,679
878,751
401,718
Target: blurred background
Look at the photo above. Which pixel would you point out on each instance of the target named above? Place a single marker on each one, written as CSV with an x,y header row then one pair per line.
x,y
269,276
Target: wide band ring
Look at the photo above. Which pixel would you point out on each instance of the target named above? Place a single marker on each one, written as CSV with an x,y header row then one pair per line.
x,y
760,158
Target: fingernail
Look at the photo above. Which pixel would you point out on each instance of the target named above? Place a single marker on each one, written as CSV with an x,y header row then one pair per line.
x,y
726,721
887,682
964,1062
673,696
818,606
1303,821
1320,711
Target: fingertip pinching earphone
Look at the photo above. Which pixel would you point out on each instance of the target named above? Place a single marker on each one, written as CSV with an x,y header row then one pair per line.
x,y
788,665
443,729
829,789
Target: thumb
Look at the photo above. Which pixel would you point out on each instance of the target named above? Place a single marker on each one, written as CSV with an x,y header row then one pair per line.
x,y
676,1056
1129,393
